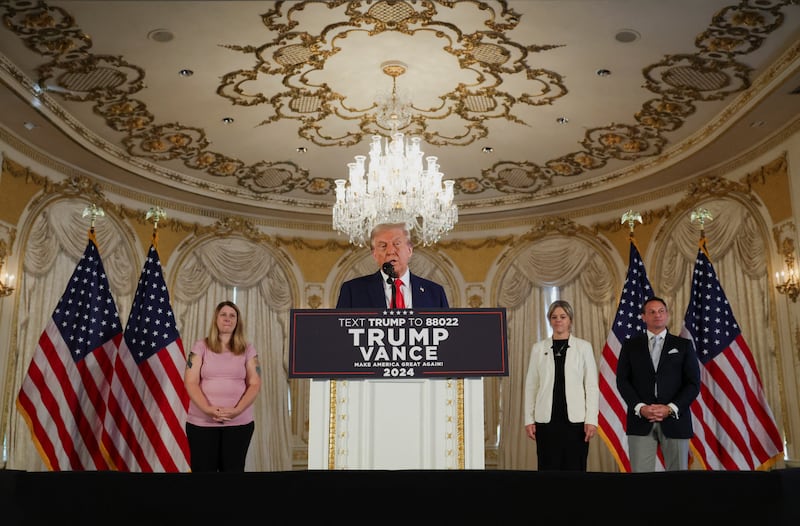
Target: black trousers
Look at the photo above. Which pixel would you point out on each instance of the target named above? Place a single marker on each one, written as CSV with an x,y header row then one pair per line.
x,y
222,448
561,446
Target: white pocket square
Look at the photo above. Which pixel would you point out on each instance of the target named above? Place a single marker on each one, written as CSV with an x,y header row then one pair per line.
x,y
672,351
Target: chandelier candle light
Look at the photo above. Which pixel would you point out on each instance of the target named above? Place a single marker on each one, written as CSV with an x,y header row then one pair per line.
x,y
790,284
394,187
6,280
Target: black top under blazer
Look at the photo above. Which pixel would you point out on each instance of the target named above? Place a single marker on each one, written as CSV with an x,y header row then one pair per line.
x,y
678,378
368,291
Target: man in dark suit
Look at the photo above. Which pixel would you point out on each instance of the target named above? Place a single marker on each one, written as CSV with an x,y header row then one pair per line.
x,y
658,379
391,244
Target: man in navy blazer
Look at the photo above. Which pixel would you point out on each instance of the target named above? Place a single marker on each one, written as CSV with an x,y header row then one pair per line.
x,y
391,243
658,396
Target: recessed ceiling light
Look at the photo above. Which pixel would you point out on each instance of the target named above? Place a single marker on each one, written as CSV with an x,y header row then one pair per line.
x,y
301,149
160,35
757,124
626,36
487,149
186,73
227,120
29,125
602,72
562,120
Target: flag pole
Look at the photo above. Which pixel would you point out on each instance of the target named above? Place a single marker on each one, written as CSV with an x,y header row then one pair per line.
x,y
148,418
733,425
93,212
63,397
701,216
627,322
155,213
631,218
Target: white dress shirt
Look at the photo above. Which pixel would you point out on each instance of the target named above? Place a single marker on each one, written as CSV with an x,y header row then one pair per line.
x,y
405,288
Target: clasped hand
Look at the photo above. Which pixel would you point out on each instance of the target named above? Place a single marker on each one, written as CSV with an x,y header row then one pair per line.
x,y
654,412
222,414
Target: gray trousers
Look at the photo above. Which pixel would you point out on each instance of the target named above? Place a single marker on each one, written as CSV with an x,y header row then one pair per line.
x,y
643,449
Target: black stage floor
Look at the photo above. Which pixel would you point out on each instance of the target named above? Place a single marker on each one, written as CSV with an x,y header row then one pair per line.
x,y
757,498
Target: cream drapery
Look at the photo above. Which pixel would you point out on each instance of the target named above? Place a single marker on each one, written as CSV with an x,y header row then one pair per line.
x,y
208,275
583,277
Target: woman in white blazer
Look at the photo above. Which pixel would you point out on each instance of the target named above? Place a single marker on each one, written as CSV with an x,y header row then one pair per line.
x,y
561,395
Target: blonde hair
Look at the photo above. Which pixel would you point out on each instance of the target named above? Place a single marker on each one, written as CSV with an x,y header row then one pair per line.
x,y
382,227
238,342
564,305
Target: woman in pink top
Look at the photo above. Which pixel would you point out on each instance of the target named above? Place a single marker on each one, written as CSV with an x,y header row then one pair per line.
x,y
223,377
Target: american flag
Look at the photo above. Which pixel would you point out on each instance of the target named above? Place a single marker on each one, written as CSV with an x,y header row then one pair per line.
x,y
148,401
63,395
734,428
627,323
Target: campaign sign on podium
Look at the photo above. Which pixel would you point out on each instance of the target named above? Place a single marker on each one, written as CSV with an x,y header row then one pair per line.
x,y
397,344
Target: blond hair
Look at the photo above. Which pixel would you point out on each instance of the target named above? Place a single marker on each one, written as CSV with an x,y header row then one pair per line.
x,y
383,227
564,305
238,342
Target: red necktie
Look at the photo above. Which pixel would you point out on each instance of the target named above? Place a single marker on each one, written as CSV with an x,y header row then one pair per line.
x,y
399,302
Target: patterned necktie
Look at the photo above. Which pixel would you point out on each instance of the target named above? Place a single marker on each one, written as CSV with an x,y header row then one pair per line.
x,y
399,302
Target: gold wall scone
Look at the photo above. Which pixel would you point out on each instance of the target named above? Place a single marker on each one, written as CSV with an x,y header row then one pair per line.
x,y
790,285
6,279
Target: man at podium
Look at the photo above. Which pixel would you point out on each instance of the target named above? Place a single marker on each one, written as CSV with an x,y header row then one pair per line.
x,y
409,423
393,285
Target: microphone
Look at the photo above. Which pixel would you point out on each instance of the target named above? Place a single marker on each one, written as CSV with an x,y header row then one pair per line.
x,y
389,270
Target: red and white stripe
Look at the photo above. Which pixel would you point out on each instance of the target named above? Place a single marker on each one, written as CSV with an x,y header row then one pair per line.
x,y
734,425
64,402
147,412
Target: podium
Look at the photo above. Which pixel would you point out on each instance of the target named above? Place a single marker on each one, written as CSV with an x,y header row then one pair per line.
x,y
397,389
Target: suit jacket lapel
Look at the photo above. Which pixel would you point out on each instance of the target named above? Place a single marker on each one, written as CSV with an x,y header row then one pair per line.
x,y
417,292
377,294
665,347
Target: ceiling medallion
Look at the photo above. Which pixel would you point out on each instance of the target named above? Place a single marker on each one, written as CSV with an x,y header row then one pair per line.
x,y
394,110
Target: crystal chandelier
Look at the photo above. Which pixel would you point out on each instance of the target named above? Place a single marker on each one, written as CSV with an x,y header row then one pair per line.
x,y
394,109
395,186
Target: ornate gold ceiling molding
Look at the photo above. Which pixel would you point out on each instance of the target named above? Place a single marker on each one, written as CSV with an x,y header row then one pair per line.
x,y
81,185
65,121
704,187
557,225
699,190
681,81
297,57
489,242
776,167
109,82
